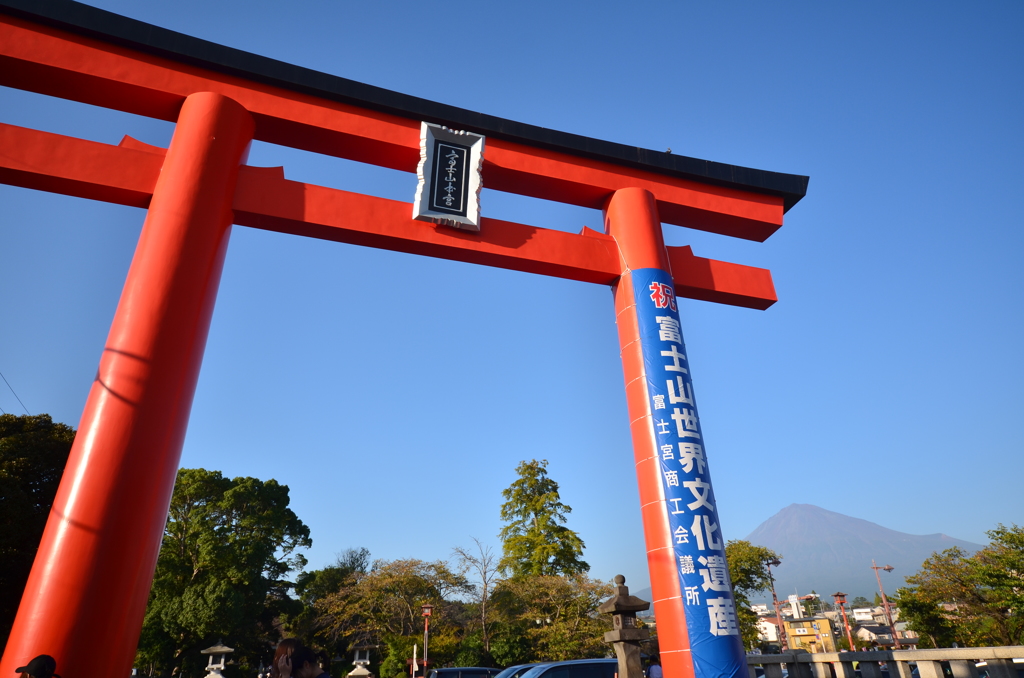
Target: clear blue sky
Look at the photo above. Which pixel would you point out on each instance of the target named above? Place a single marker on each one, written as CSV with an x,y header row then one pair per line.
x,y
395,395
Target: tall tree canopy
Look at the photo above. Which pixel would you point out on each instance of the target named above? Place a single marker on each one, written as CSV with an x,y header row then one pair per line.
x,y
227,547
748,571
33,453
974,600
549,618
535,540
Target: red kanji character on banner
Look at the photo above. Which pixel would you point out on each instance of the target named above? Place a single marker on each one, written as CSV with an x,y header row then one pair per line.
x,y
663,295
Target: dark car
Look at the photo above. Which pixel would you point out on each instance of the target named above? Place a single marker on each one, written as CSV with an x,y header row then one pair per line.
x,y
577,668
517,671
463,672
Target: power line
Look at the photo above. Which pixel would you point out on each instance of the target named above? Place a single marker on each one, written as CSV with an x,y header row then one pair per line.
x,y
15,394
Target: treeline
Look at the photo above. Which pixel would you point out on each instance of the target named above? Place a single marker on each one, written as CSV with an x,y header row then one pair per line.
x,y
230,569
356,603
970,600
230,545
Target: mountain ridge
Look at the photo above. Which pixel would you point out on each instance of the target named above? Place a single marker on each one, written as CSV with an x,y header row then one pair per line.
x,y
826,551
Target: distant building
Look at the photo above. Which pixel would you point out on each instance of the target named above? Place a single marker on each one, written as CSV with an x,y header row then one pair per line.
x,y
874,615
814,634
875,634
768,629
836,617
906,636
863,614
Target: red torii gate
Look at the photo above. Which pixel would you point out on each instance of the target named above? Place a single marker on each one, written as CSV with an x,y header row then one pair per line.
x,y
87,593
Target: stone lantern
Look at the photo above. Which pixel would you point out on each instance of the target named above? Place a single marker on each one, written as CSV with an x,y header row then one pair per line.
x,y
626,636
361,660
218,658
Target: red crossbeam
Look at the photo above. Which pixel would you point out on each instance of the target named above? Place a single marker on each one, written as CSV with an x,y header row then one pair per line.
x,y
126,175
69,66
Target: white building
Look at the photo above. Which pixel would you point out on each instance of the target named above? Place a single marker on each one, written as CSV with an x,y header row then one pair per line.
x,y
768,629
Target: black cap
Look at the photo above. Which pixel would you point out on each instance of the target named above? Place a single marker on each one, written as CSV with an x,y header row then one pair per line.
x,y
42,666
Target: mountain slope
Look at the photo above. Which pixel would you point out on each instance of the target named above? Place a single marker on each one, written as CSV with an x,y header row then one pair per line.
x,y
826,552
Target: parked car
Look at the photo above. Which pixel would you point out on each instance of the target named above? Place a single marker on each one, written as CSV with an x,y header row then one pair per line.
x,y
576,668
518,670
463,672
982,667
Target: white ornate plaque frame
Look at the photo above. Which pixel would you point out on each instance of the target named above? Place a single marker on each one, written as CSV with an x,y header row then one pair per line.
x,y
450,179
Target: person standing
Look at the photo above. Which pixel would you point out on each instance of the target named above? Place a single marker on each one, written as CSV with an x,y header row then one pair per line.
x,y
284,649
301,663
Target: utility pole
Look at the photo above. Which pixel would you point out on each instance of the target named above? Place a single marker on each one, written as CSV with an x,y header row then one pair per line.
x,y
780,628
885,602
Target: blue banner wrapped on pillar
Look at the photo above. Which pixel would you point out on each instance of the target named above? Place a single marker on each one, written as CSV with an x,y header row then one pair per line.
x,y
711,620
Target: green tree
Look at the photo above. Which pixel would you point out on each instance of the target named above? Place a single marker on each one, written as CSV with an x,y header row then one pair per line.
x,y
382,607
535,540
1000,568
980,594
748,571
33,453
312,589
227,547
549,618
860,601
926,618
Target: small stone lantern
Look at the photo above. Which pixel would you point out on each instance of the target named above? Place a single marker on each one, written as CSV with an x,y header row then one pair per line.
x,y
218,658
361,660
626,636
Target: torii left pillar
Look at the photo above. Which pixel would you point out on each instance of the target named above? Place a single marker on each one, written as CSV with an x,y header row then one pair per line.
x,y
87,593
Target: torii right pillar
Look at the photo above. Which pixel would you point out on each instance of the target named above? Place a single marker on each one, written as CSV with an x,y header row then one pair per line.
x,y
698,632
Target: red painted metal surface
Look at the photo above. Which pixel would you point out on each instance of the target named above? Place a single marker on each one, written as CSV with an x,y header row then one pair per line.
x,y
50,61
86,595
126,175
631,218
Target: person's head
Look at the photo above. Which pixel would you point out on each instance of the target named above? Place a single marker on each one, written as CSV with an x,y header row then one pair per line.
x,y
304,662
42,666
286,647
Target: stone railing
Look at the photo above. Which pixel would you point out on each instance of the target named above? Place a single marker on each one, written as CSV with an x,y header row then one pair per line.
x,y
944,663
